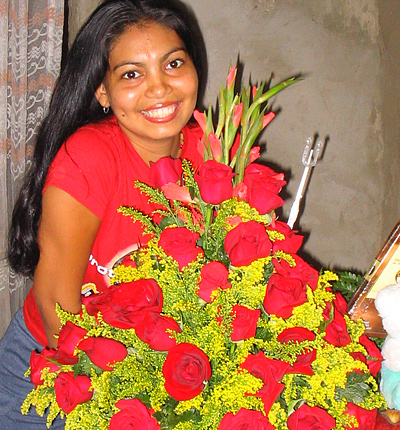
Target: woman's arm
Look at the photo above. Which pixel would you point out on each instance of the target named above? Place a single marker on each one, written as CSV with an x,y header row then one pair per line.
x,y
66,234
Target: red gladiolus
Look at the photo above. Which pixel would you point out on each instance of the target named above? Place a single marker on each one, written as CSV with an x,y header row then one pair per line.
x,y
254,91
200,118
237,114
268,118
174,191
254,154
231,77
201,148
215,145
240,191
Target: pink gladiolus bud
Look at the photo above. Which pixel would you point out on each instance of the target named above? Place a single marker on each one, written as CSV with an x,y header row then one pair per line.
x,y
233,221
268,118
174,191
237,114
215,145
200,118
201,148
254,91
254,154
240,191
231,77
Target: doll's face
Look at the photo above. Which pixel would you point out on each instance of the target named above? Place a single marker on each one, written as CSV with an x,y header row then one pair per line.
x,y
151,84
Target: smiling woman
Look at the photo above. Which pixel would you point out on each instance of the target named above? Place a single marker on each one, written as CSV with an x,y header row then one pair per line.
x,y
122,101
151,87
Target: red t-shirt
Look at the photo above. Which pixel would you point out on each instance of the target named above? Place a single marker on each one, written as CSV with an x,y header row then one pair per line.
x,y
98,166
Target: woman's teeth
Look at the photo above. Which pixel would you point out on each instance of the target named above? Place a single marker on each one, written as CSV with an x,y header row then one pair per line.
x,y
160,113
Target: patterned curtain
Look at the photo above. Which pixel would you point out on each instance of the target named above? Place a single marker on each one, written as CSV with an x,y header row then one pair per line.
x,y
31,34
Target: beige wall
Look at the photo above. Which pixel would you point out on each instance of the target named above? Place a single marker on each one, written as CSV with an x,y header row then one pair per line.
x,y
347,51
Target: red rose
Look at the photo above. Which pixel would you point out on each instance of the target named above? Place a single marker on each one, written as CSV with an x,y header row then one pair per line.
x,y
283,294
122,319
336,331
214,275
71,391
103,352
304,361
122,305
244,323
185,370
302,271
263,187
307,417
143,294
215,181
245,419
154,330
164,171
374,358
180,244
270,372
366,419
69,337
133,416
292,241
246,243
240,191
38,362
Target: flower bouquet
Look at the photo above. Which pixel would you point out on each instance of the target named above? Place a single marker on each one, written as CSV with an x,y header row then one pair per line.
x,y
216,322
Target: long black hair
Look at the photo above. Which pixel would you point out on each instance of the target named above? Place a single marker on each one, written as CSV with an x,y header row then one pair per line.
x,y
74,104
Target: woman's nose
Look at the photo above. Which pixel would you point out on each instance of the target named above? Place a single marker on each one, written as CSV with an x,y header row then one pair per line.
x,y
157,85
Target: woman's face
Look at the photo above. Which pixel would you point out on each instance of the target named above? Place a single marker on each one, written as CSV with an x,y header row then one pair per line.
x,y
151,84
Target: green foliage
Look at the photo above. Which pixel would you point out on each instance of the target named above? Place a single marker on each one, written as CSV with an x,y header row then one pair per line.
x,y
347,284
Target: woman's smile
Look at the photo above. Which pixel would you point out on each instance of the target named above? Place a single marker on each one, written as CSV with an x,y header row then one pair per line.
x,y
162,113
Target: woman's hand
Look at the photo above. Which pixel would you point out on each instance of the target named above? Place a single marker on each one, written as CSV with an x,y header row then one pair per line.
x,y
67,231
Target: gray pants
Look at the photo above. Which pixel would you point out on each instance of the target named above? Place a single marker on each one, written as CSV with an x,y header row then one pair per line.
x,y
15,351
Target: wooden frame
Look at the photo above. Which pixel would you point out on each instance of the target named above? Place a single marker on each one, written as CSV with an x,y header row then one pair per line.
x,y
385,271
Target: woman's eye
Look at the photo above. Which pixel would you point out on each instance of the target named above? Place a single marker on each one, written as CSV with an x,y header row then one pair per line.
x,y
132,74
174,64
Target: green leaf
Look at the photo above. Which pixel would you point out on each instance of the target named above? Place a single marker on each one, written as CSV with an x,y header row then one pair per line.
x,y
347,284
356,389
165,222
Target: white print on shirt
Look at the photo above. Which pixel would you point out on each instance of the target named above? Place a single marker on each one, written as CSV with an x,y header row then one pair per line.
x,y
105,271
